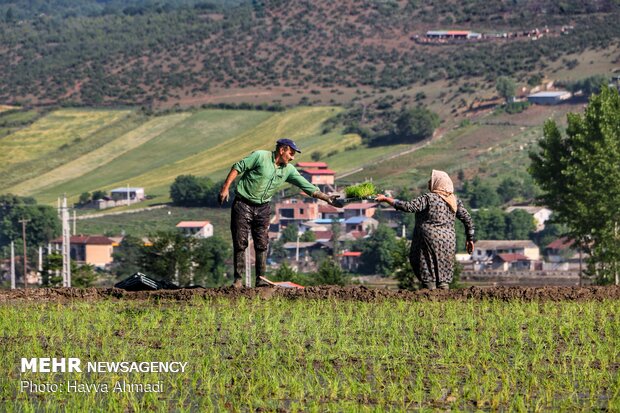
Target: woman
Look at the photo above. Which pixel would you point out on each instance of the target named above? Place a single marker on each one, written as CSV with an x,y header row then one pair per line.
x,y
434,240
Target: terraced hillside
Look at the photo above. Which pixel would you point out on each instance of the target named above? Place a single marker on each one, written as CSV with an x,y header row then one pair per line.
x,y
75,150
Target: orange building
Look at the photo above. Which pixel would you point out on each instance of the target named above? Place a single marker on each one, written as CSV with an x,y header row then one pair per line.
x,y
89,249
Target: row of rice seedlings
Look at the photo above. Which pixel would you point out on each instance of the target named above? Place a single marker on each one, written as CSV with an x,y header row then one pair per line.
x,y
321,355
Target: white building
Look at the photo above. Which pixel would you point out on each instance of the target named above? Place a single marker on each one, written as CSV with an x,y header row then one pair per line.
x,y
198,229
486,250
127,195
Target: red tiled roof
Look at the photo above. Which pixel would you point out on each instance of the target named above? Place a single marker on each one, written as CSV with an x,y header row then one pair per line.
x,y
561,243
513,257
323,234
351,254
192,224
87,240
319,171
357,234
323,208
311,165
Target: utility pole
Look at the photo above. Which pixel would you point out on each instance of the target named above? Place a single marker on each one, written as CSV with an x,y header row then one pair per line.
x,y
23,221
248,262
616,275
12,265
66,244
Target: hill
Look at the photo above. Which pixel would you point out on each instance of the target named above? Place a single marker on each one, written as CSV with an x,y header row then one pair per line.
x,y
289,50
73,151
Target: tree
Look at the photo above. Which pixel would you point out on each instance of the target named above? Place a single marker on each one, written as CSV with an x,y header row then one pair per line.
x,y
83,276
590,85
506,87
210,256
190,191
481,194
330,273
401,266
289,234
509,189
99,195
378,251
490,223
127,256
416,124
579,173
84,198
308,236
336,231
169,258
519,225
43,222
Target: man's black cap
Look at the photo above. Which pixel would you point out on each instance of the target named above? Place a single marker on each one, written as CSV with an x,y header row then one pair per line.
x,y
289,143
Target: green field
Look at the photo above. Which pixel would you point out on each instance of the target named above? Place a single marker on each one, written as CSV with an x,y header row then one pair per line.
x,y
319,355
141,224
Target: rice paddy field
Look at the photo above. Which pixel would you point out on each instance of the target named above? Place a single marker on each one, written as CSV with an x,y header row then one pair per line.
x,y
318,349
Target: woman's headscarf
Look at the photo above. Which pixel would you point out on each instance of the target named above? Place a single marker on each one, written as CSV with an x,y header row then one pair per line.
x,y
442,185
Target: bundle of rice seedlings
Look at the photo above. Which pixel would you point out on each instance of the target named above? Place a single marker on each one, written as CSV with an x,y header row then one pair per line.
x,y
360,190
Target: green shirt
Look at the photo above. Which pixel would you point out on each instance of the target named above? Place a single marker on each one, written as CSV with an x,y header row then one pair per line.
x,y
261,177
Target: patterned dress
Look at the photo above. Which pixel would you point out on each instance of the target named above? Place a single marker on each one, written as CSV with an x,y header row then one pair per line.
x,y
434,241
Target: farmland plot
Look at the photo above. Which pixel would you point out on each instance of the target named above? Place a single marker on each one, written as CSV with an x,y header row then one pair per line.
x,y
322,349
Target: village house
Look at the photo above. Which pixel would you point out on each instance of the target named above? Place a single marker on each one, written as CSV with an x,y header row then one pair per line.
x,y
350,260
327,211
549,97
359,209
317,173
361,224
512,262
563,255
198,229
95,250
301,251
127,195
505,254
294,211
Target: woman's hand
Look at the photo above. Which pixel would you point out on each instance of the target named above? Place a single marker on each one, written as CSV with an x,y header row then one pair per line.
x,y
469,246
383,198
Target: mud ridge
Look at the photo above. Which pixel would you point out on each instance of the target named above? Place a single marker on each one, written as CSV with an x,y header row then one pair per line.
x,y
354,293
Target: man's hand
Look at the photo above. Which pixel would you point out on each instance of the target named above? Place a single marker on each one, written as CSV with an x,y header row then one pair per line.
x,y
334,201
223,196
330,199
469,246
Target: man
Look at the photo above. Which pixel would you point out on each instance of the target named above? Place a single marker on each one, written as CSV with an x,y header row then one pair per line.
x,y
262,174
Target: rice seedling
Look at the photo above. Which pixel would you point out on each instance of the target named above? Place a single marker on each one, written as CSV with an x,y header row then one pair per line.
x,y
362,190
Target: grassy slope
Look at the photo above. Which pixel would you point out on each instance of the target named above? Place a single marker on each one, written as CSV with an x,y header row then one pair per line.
x,y
56,139
299,124
202,130
492,147
101,156
142,224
